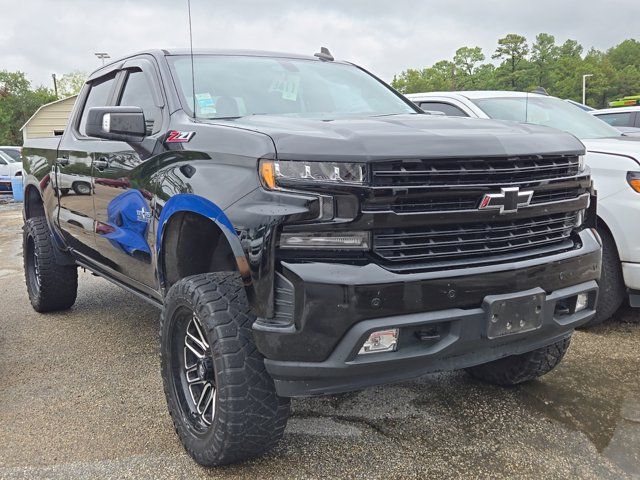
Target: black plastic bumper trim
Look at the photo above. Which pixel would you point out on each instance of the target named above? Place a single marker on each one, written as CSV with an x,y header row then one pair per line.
x,y
463,346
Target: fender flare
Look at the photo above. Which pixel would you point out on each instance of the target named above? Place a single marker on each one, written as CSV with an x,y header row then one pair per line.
x,y
187,202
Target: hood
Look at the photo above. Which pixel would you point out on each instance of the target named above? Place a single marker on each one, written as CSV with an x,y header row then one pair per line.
x,y
14,168
627,146
405,136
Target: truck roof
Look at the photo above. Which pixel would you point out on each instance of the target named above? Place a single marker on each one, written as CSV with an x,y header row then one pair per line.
x,y
166,52
474,94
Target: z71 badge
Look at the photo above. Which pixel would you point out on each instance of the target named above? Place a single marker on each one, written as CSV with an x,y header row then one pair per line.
x,y
175,136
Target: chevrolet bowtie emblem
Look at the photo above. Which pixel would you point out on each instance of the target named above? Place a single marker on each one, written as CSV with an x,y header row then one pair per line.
x,y
507,201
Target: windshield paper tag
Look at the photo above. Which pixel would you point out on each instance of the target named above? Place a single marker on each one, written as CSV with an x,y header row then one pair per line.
x,y
206,106
287,86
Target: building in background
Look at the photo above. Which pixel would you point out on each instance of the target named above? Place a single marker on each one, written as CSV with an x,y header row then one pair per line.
x,y
50,119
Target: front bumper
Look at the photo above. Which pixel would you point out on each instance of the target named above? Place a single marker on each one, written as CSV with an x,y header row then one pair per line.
x,y
337,306
631,274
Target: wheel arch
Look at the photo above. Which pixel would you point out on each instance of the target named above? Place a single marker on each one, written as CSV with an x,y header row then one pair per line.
x,y
33,203
195,236
602,225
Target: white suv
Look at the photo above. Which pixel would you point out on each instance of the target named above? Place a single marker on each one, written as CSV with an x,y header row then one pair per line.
x,y
615,165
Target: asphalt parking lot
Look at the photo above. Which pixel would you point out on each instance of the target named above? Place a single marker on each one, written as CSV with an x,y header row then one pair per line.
x,y
80,395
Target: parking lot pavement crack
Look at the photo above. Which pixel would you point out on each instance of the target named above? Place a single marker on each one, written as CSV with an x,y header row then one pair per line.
x,y
345,418
371,425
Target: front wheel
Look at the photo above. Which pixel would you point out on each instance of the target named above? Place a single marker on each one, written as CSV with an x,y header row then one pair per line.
x,y
222,401
521,368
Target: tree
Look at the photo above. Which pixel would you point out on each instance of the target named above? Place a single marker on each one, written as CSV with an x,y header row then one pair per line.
x,y
512,50
466,62
544,53
18,101
558,68
466,59
625,54
71,83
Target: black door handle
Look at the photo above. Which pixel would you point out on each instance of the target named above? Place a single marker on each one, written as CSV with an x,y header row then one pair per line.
x,y
63,160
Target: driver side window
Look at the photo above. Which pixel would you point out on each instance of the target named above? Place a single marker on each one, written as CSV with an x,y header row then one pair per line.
x,y
137,93
98,97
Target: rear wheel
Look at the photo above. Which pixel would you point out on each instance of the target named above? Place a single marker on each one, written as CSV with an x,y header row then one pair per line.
x,y
50,286
222,400
612,289
521,368
81,188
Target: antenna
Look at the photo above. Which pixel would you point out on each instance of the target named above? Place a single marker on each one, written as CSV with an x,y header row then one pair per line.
x,y
324,54
193,75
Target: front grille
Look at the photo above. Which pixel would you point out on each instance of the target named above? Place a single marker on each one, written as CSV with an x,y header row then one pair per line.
x,y
473,171
446,202
446,242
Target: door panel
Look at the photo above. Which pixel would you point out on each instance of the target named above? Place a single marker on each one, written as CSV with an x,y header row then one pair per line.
x,y
123,179
72,179
74,188
123,207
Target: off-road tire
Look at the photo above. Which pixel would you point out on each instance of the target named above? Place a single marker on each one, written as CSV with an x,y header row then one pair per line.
x,y
612,289
521,368
51,287
249,417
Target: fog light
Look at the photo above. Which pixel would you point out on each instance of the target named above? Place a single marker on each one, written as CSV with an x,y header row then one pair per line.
x,y
581,301
381,341
326,240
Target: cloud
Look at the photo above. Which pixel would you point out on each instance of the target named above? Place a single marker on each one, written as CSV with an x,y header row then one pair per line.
x,y
41,37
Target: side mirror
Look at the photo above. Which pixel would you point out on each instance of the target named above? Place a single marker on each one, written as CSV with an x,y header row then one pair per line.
x,y
124,124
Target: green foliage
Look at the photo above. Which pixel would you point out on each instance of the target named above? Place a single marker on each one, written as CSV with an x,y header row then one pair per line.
x,y
557,68
18,101
71,83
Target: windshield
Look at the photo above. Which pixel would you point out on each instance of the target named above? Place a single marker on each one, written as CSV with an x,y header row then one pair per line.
x,y
236,86
548,111
7,156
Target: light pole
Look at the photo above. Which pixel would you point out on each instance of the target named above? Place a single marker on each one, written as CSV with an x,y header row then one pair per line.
x,y
584,87
102,56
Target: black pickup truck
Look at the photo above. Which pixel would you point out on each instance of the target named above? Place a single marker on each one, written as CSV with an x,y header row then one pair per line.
x,y
307,230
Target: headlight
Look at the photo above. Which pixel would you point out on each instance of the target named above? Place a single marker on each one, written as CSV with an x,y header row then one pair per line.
x,y
581,163
634,180
278,174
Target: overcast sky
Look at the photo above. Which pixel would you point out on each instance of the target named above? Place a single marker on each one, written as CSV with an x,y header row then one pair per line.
x,y
41,37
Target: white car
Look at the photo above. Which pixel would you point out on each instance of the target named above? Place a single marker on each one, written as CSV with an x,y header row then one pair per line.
x,y
9,167
615,165
625,119
13,152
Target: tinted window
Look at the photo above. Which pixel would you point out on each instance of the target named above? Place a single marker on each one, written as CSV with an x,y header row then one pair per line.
x,y
622,119
137,93
230,86
446,108
98,97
